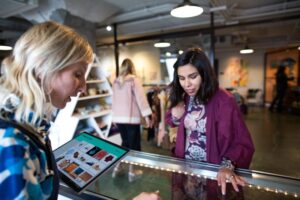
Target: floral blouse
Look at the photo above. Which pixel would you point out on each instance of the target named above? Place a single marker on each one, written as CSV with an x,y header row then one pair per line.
x,y
194,122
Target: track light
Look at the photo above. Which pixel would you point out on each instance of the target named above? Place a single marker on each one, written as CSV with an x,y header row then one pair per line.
x,y
187,9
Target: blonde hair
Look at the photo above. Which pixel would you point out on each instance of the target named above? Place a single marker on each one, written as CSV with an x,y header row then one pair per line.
x,y
38,55
127,67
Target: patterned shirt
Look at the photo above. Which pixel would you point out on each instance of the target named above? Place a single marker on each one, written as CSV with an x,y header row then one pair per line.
x,y
195,122
24,172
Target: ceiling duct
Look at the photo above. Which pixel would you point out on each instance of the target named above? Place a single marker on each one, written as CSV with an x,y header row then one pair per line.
x,y
14,7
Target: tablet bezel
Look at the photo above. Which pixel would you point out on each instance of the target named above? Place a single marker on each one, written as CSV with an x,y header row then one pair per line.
x,y
69,181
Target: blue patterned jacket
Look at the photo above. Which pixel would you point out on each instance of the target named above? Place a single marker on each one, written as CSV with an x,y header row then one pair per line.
x,y
27,171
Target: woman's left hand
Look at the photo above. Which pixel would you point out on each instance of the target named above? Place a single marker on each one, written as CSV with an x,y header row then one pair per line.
x,y
226,174
148,122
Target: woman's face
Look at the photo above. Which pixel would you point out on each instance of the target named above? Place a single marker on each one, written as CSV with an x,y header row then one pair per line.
x,y
189,79
67,83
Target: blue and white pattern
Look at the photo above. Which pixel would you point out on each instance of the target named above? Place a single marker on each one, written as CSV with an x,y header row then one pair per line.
x,y
24,173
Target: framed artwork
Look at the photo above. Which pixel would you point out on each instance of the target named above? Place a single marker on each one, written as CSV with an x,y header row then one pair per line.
x,y
237,72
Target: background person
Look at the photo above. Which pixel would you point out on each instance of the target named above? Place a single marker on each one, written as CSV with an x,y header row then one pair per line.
x,y
210,124
129,107
281,87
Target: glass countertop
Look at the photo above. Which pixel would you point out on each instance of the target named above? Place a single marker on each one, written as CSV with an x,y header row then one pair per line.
x,y
180,179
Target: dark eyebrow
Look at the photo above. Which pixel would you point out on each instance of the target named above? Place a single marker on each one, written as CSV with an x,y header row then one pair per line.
x,y
193,74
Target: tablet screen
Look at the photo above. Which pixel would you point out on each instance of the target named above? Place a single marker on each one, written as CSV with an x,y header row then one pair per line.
x,y
81,160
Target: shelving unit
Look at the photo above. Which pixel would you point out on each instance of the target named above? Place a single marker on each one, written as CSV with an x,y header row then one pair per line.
x,y
89,111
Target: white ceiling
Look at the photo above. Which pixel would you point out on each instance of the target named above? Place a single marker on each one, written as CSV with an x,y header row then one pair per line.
x,y
278,21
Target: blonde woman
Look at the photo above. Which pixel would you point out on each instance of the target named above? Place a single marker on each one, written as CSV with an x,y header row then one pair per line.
x,y
129,106
45,70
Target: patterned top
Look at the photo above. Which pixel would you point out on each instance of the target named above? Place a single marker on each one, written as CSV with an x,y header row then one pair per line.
x,y
24,172
195,122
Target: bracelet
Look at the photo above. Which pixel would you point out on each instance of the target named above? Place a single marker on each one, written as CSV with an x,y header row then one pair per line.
x,y
227,164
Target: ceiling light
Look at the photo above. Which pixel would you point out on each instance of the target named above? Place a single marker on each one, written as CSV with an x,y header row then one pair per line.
x,y
108,28
180,51
5,48
246,50
162,44
299,48
187,9
168,54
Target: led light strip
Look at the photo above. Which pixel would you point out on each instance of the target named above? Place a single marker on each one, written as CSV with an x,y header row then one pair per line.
x,y
208,177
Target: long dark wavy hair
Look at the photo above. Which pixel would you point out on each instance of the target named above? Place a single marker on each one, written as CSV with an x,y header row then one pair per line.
x,y
209,84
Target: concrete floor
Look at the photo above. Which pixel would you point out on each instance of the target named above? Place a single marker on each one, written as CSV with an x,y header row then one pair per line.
x,y
276,138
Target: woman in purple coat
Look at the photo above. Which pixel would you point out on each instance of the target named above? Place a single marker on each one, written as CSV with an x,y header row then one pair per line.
x,y
210,126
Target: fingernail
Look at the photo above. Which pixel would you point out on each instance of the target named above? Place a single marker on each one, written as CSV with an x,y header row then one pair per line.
x,y
223,193
237,190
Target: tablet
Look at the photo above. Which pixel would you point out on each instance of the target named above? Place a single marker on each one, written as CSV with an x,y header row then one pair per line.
x,y
83,159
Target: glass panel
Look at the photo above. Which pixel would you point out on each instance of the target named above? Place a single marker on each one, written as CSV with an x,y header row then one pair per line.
x,y
177,179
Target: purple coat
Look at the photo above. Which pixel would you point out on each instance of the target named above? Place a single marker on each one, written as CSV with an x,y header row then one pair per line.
x,y
226,133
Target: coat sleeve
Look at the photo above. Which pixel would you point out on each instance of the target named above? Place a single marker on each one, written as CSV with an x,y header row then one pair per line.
x,y
170,120
234,139
18,172
141,99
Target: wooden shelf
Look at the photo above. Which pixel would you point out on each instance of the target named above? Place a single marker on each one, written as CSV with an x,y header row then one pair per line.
x,y
93,114
95,81
93,97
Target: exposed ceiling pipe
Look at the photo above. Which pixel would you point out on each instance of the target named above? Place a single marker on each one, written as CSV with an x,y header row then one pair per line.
x,y
13,24
224,13
269,8
266,14
141,13
192,32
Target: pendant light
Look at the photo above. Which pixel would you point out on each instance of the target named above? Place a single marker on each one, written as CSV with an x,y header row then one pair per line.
x,y
162,44
187,9
246,50
5,48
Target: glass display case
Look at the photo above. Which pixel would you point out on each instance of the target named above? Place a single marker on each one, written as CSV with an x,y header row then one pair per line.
x,y
180,179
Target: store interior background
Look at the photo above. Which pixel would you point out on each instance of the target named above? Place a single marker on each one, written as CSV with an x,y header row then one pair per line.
x,y
267,26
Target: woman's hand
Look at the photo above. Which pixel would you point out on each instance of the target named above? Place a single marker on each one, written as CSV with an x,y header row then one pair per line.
x,y
226,174
178,110
148,196
149,123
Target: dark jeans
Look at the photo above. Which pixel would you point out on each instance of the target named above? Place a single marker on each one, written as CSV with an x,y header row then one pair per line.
x,y
131,136
278,101
151,134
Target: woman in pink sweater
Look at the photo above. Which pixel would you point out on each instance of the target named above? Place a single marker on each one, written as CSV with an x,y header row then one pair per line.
x,y
129,106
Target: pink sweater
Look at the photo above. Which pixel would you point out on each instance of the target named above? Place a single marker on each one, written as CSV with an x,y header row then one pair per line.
x,y
129,101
